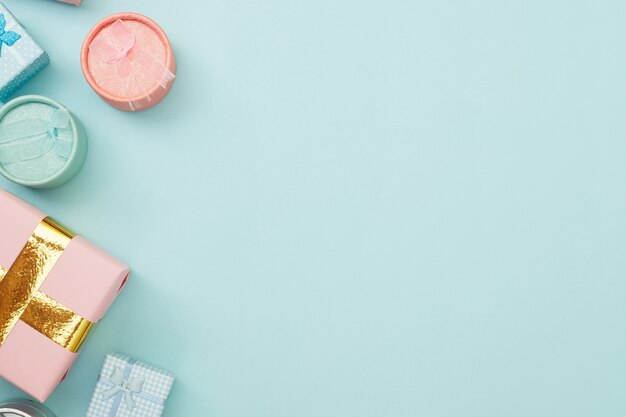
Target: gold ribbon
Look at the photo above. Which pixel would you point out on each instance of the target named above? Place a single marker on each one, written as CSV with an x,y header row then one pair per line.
x,y
20,298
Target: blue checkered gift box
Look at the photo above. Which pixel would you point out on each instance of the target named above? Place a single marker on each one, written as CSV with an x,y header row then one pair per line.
x,y
130,388
20,56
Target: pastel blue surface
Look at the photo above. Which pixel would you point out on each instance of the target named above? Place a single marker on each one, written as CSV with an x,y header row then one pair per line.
x,y
348,208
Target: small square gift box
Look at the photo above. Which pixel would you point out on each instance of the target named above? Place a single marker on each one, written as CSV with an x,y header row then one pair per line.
x,y
128,61
21,58
130,388
54,286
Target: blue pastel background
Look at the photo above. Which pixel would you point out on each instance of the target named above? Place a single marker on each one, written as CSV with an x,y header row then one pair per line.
x,y
359,208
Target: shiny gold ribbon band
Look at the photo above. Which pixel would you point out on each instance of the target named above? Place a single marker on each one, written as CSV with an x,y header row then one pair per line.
x,y
20,298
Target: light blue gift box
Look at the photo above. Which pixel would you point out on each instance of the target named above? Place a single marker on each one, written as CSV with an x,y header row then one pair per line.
x,y
130,388
20,56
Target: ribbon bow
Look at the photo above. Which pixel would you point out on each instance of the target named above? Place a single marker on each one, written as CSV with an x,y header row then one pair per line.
x,y
128,387
59,119
7,36
116,45
32,138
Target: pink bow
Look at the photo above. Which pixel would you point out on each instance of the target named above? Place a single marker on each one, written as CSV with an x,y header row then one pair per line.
x,y
116,45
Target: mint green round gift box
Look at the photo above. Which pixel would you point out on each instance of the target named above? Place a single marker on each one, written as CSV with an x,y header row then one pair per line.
x,y
52,168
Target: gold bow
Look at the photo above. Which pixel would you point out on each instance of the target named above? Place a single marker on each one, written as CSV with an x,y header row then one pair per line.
x,y
20,298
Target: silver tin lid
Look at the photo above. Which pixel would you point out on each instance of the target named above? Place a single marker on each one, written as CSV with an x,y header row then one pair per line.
x,y
24,408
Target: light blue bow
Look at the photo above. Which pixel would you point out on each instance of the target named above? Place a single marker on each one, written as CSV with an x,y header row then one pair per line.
x,y
7,36
123,386
32,138
128,387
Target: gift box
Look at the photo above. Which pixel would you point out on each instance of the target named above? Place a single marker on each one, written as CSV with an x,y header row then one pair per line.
x,y
54,286
21,58
42,144
130,388
129,62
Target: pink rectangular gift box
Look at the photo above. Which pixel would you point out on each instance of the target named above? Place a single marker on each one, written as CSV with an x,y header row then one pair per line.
x,y
85,279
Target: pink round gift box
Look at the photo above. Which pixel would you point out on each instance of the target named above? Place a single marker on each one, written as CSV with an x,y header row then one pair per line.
x,y
138,102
